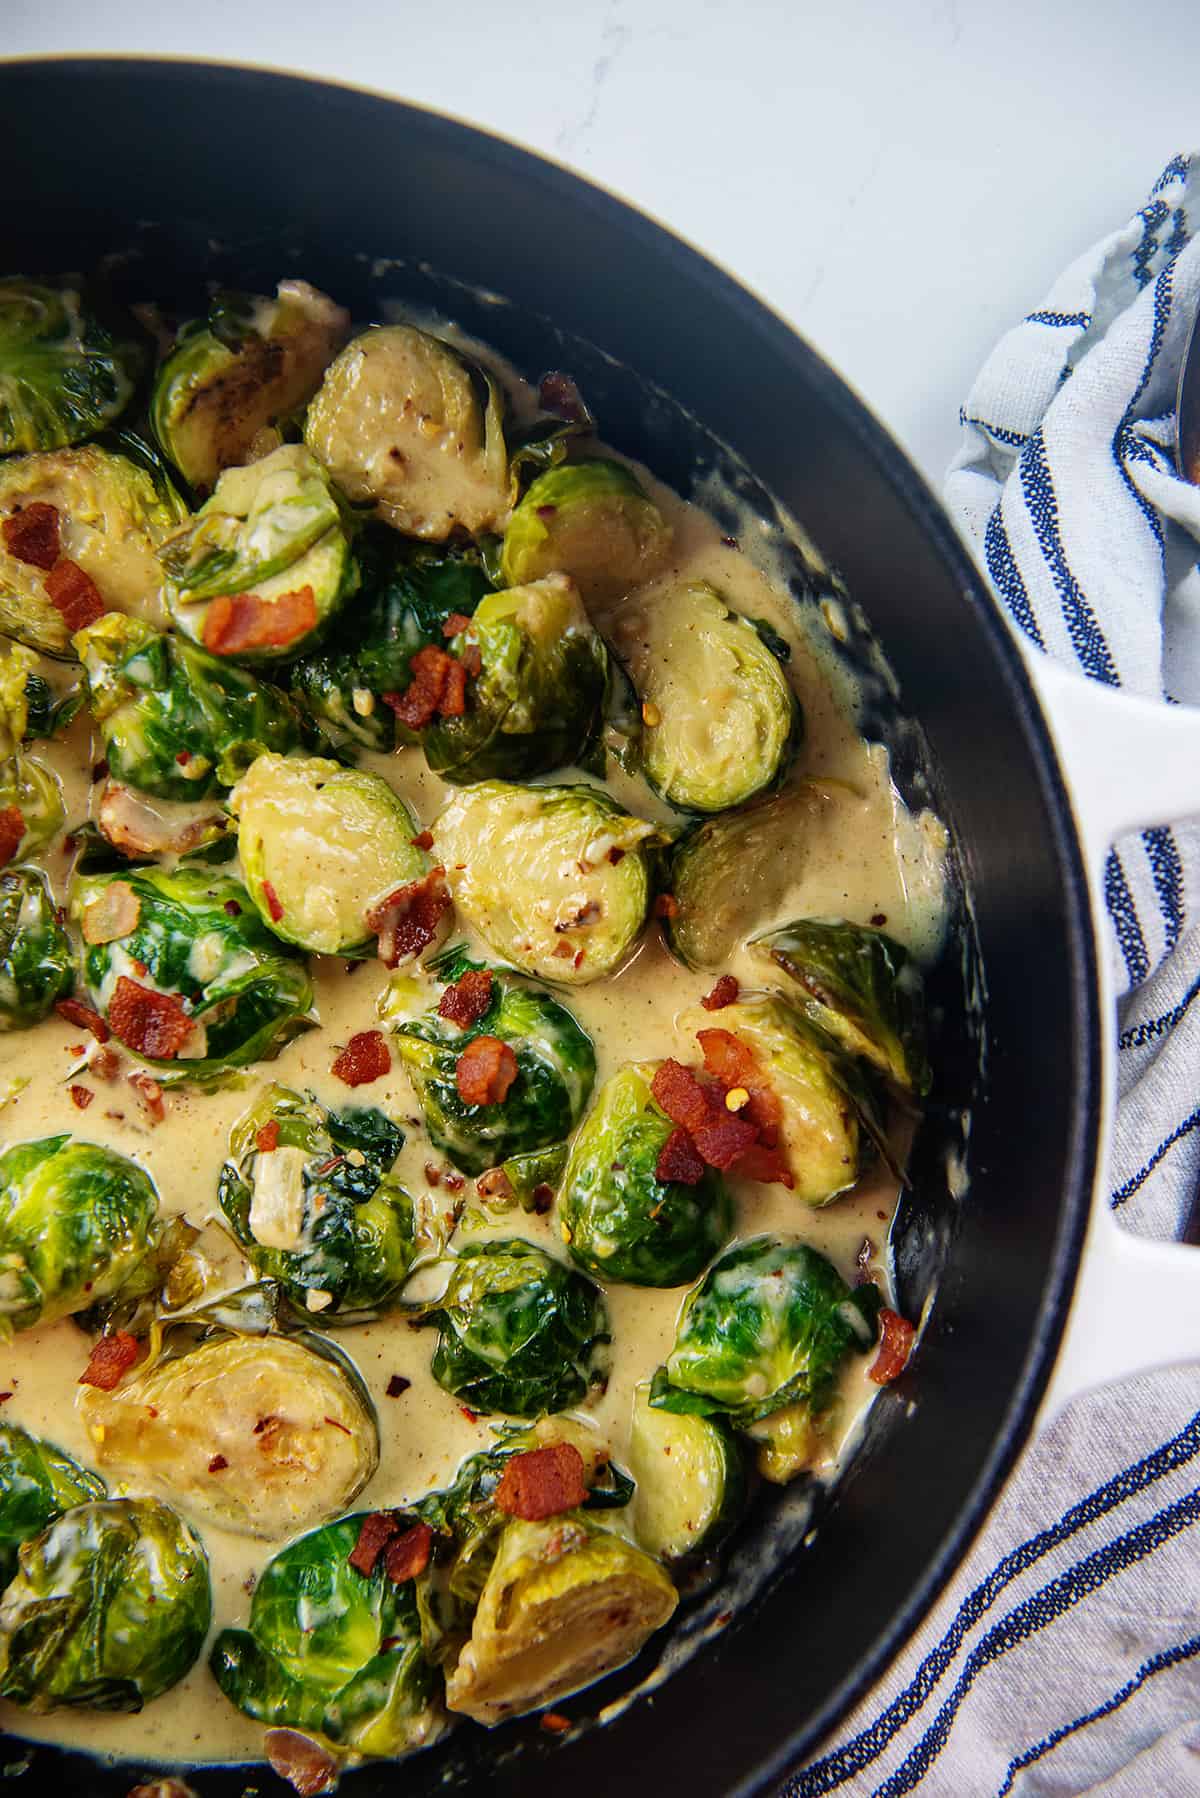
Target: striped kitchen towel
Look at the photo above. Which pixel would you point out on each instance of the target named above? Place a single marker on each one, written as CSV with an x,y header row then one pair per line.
x,y
1065,1656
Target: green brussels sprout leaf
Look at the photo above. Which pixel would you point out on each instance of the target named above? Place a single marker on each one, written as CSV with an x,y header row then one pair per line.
x,y
38,1482
63,374
37,966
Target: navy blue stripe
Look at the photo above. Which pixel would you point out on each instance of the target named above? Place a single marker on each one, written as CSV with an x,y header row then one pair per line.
x,y
1161,1662
1013,438
1167,869
1176,170
848,1761
1121,909
1033,1614
1006,576
1138,1035
1045,317
1152,216
1163,298
1164,1148
1085,633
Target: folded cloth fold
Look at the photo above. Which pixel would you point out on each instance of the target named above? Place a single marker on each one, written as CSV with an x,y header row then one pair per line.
x,y
1065,1656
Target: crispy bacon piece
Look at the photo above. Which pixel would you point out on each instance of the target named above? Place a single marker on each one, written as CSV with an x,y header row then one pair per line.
x,y
81,1096
895,1346
438,685
152,1024
267,1138
237,622
366,1057
744,1140
734,1063
542,1482
762,1163
484,1071
308,1767
679,1160
408,1555
112,914
679,1093
424,840
12,829
149,1093
724,993
83,1017
31,535
453,702
110,1361
409,919
466,1001
725,1138
377,1530
74,595
274,905
455,624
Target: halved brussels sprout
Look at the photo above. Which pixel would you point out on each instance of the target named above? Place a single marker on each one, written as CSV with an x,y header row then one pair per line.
x,y
592,521
691,1480
321,847
110,1607
332,1650
27,783
405,423
63,374
518,1331
310,1196
555,879
112,515
538,700
565,1603
260,1434
860,987
212,989
555,1067
720,720
38,1482
78,1223
620,1221
37,967
19,685
232,377
139,826
265,564
174,721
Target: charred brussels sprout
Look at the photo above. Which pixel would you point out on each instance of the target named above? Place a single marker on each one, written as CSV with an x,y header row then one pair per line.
x,y
265,564
860,987
321,847
286,1420
538,700
332,1650
589,520
555,1067
555,879
38,1482
63,374
720,720
405,424
622,1222
691,1480
36,963
232,377
565,1603
174,721
110,1607
310,1196
112,515
518,1331
78,1223
185,972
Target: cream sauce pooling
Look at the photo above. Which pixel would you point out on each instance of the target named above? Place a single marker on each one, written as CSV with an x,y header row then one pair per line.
x,y
865,855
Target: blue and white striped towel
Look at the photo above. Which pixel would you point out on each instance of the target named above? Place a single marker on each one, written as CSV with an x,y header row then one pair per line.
x,y
1065,1657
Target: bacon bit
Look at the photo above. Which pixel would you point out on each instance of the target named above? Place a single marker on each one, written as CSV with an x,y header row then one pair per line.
x,y
149,1023
734,1063
408,920
274,907
679,1093
423,841
31,535
431,671
471,657
377,1530
4,1397
451,1181
764,1164
879,919
110,1361
237,622
433,1174
112,914
454,697
12,829
267,1138
678,1160
542,1482
542,1197
397,1386
150,1095
471,1416
408,1555
365,1058
456,624
218,1464
495,1184
308,1767
465,1002
666,906
81,1096
232,909
745,1140
74,595
724,993
103,1063
184,757
554,1723
895,1346
485,1071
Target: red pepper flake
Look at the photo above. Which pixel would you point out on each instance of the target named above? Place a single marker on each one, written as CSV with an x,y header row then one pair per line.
x,y
375,1532
485,1071
238,622
308,1767
31,535
465,1002
456,624
542,1198
81,1096
74,595
184,757
666,906
12,829
423,841
678,1160
84,1018
408,1555
397,1386
471,1416
895,1346
150,1023
554,1723
542,1482
724,993
274,907
110,1360
409,919
365,1058
218,1464
232,909
150,1095
335,1425
267,1138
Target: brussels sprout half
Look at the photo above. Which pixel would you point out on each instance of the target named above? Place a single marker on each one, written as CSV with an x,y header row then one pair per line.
x,y
555,879
192,938
720,720
37,967
405,424
310,1197
112,515
110,1607
620,1221
321,847
331,1649
860,987
33,788
251,365
38,1482
63,374
25,699
589,520
691,1480
78,1223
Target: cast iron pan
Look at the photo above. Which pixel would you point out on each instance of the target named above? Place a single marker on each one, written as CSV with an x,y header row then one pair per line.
x,y
195,174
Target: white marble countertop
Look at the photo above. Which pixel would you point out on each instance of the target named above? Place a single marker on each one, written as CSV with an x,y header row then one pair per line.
x,y
902,182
